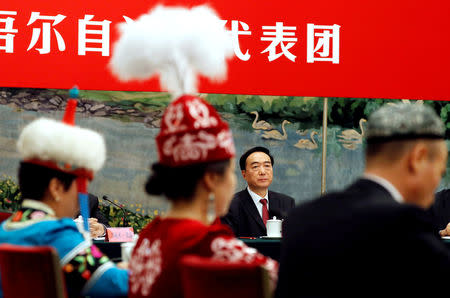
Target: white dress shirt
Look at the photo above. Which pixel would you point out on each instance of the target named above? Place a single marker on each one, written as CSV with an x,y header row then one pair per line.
x,y
256,199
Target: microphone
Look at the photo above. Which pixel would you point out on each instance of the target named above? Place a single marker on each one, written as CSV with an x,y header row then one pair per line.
x,y
125,223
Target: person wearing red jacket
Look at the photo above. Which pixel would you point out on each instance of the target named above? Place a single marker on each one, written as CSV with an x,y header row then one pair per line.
x,y
195,171
196,174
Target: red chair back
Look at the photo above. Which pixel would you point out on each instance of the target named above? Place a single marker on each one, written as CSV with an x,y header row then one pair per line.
x,y
31,271
206,278
4,216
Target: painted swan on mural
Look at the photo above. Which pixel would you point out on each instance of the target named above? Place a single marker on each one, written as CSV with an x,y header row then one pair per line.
x,y
416,102
275,134
310,144
261,124
350,138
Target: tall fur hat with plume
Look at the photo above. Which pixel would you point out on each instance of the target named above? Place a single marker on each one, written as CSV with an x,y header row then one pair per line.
x,y
178,44
64,147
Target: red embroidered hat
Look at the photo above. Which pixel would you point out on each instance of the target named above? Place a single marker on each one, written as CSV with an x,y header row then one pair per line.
x,y
192,132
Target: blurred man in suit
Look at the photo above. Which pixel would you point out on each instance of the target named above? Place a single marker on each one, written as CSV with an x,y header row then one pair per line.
x,y
97,221
440,211
252,207
374,239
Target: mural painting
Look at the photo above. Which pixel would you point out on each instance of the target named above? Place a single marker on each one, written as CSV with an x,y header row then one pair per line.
x,y
291,127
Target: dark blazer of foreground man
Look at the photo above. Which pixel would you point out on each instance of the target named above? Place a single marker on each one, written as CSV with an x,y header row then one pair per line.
x,y
374,239
243,216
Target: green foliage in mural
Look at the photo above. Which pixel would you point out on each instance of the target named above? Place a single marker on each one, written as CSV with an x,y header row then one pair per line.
x,y
142,100
445,111
344,112
226,103
273,107
251,103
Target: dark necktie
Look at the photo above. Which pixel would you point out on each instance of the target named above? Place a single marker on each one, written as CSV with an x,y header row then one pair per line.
x,y
265,212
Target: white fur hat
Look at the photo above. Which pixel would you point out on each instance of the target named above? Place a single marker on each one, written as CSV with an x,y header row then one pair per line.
x,y
62,146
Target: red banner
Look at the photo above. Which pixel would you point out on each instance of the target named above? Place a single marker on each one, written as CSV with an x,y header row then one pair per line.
x,y
349,48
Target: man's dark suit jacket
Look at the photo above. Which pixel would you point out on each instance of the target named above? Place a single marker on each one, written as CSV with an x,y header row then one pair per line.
x,y
361,243
94,211
440,210
243,216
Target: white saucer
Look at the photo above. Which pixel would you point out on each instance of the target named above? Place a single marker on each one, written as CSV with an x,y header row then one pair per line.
x,y
269,237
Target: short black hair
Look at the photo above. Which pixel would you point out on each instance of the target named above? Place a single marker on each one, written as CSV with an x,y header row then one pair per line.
x,y
393,150
178,183
244,156
34,180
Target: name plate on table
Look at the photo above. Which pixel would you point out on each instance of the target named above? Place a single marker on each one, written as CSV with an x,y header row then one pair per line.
x,y
119,234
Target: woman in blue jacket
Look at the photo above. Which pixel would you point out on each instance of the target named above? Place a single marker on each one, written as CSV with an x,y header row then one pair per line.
x,y
57,161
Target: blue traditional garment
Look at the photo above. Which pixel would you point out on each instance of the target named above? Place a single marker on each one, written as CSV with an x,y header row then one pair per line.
x,y
87,271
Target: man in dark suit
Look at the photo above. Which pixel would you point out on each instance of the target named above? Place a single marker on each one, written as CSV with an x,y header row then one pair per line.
x,y
440,212
374,239
95,210
97,221
252,207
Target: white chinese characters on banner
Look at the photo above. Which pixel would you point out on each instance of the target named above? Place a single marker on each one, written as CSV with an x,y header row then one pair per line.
x,y
321,50
46,35
83,40
235,37
322,41
278,36
8,45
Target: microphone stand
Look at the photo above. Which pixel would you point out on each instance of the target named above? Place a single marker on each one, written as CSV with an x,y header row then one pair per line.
x,y
125,223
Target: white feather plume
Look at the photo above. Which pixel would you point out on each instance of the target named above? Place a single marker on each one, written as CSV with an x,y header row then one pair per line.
x,y
175,43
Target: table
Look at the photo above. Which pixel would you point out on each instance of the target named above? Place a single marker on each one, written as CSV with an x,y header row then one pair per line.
x,y
111,249
268,247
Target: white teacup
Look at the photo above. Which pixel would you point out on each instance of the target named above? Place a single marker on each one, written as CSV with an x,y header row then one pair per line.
x,y
126,250
273,227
